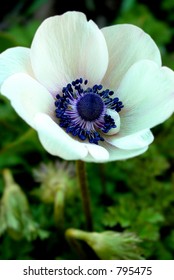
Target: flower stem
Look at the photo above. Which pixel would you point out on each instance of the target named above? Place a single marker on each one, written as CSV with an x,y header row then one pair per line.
x,y
83,184
59,208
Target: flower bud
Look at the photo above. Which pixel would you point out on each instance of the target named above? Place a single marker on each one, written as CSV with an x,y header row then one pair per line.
x,y
15,216
57,182
53,178
109,245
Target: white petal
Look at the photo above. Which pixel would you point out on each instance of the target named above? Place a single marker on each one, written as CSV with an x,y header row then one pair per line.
x,y
135,141
115,153
68,47
96,153
27,96
119,154
127,44
147,93
56,141
13,61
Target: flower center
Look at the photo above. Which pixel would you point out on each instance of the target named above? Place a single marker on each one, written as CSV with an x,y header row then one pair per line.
x,y
90,107
82,111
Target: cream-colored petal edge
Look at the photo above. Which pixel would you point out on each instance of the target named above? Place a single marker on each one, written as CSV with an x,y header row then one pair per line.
x,y
137,140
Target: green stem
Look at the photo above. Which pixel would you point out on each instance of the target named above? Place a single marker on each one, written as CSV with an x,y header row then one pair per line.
x,y
59,208
82,179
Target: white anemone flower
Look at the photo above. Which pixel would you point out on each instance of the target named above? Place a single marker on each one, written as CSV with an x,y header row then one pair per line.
x,y
91,94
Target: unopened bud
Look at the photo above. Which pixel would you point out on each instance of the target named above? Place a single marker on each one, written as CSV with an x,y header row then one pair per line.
x,y
15,216
57,182
109,245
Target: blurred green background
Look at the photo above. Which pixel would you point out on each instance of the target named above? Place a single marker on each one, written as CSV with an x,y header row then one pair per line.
x,y
39,197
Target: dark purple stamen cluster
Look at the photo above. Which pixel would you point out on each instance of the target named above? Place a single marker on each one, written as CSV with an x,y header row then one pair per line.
x,y
83,111
111,103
